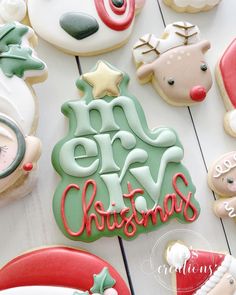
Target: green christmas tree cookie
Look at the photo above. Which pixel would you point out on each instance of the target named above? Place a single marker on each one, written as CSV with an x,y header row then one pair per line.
x,y
118,177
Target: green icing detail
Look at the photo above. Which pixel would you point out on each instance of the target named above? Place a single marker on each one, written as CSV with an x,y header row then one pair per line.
x,y
145,158
17,60
11,34
102,282
21,147
84,293
79,25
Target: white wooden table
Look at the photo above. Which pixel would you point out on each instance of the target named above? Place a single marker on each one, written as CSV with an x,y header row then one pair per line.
x,y
29,223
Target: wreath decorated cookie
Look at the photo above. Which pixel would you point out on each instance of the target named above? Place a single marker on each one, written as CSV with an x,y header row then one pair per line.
x,y
118,177
85,27
191,6
225,76
60,271
175,64
199,272
19,149
222,180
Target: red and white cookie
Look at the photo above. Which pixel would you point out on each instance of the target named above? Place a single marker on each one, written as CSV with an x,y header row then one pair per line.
x,y
84,27
222,180
225,76
60,271
199,272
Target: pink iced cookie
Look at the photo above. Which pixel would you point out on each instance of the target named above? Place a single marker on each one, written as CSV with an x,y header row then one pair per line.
x,y
175,64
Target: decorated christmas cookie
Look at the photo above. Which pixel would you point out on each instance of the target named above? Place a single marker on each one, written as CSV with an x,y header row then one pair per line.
x,y
85,27
198,272
225,75
19,69
191,6
118,177
175,64
12,10
60,271
222,180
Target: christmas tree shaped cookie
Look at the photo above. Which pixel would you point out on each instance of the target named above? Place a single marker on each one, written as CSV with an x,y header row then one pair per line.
x,y
118,177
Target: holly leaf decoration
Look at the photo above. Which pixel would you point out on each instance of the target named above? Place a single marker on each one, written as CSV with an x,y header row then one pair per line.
x,y
11,34
102,282
17,60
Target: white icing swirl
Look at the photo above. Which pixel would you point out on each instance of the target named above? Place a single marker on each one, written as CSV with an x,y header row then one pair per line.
x,y
196,3
177,255
12,10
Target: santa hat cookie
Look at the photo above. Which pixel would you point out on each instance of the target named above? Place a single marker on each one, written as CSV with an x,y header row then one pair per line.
x,y
200,272
225,76
60,271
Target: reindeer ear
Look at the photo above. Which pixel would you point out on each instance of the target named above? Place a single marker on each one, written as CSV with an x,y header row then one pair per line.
x,y
204,46
139,5
145,72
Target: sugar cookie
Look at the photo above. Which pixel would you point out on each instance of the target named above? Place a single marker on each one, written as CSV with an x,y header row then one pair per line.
x,y
222,180
118,177
175,64
19,149
191,6
85,27
60,271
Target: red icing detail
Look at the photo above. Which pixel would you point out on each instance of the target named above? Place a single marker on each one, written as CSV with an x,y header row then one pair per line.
x,y
119,24
57,266
198,93
118,10
227,67
130,218
199,268
28,167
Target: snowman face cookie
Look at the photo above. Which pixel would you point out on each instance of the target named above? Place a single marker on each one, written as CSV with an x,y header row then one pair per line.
x,y
84,27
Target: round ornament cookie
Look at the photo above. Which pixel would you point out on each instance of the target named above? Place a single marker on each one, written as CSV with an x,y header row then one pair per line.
x,y
199,272
175,64
60,271
191,6
225,77
222,180
118,177
85,27
19,148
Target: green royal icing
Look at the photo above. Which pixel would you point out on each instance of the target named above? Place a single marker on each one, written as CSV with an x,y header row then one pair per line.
x,y
21,147
11,34
17,60
109,142
102,282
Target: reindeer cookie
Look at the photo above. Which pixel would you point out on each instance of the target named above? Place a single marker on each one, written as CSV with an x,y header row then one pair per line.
x,y
222,180
118,177
60,271
175,64
84,27
199,272
191,6
225,76
19,149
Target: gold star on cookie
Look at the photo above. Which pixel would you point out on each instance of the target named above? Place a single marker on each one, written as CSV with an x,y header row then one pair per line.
x,y
104,80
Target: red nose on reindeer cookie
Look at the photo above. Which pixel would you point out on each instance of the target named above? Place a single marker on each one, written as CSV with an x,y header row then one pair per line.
x,y
60,271
199,272
175,64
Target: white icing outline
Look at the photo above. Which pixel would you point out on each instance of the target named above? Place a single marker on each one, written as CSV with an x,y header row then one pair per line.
x,y
228,165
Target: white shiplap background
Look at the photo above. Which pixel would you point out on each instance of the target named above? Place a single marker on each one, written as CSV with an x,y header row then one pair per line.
x,y
29,223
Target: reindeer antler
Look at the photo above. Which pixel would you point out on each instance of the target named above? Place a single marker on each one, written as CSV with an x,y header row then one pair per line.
x,y
147,43
186,35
